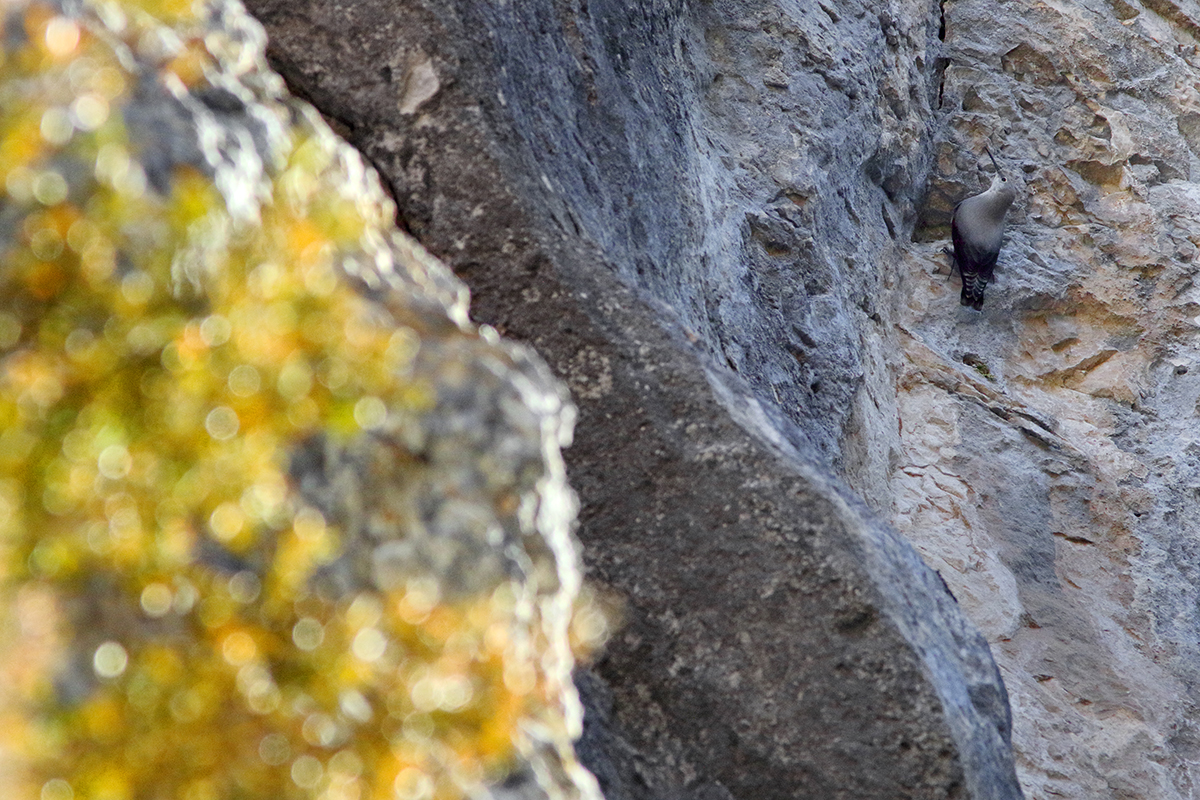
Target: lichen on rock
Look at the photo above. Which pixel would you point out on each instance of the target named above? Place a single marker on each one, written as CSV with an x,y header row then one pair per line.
x,y
276,519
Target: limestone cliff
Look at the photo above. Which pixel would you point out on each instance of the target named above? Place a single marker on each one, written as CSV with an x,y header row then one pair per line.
x,y
1048,465
693,212
774,179
866,543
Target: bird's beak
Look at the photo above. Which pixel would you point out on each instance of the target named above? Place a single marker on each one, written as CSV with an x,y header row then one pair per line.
x,y
988,150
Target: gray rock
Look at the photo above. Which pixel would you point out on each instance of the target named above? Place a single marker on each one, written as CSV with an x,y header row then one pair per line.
x,y
1069,543
691,213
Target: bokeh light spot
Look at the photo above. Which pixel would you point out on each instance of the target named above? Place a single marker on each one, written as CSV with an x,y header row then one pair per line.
x,y
110,660
346,764
295,380
320,730
308,634
227,521
355,706
274,749
156,600
239,648
215,330
46,244
222,423
309,524
425,694
519,677
185,597
456,693
413,784
89,111
114,462
420,596
307,772
244,380
256,683
79,341
370,413
244,587
62,37
57,789
369,645
57,127
19,183
137,288
50,188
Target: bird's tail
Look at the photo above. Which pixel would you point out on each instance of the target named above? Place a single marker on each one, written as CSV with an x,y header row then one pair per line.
x,y
972,290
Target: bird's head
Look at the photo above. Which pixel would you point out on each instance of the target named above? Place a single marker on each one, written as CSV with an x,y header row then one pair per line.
x,y
1000,183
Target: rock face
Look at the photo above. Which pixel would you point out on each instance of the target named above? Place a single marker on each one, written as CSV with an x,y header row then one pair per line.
x,y
690,212
1049,465
770,184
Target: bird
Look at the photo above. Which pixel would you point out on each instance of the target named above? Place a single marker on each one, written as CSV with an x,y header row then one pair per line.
x,y
977,229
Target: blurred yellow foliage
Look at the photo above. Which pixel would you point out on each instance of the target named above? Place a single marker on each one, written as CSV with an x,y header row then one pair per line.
x,y
159,355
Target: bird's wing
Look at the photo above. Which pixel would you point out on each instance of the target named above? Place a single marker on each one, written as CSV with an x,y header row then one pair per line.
x,y
969,257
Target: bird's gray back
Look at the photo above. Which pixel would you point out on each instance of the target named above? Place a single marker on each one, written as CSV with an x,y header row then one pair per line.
x,y
980,219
